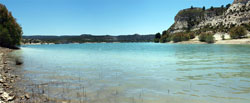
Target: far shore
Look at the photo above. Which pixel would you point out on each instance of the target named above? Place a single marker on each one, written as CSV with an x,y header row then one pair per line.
x,y
10,79
193,41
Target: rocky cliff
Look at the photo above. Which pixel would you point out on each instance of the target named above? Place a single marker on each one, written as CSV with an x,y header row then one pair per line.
x,y
222,18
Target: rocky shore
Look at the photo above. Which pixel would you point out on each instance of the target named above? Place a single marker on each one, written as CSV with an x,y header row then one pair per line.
x,y
10,92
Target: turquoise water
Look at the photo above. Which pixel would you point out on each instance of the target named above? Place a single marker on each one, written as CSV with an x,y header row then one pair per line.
x,y
140,72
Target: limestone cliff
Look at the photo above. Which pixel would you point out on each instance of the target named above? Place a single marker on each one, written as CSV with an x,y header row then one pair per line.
x,y
193,19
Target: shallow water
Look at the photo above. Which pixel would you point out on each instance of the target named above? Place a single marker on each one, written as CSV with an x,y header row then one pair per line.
x,y
140,72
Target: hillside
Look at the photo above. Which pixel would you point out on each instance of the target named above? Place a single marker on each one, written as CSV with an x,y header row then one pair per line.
x,y
214,19
197,18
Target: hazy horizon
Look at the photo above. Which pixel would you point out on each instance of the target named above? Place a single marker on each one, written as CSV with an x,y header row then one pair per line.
x,y
99,17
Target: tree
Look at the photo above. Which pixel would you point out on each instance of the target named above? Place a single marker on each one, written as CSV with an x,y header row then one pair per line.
x,y
192,7
10,30
203,8
237,32
222,6
157,37
228,5
212,8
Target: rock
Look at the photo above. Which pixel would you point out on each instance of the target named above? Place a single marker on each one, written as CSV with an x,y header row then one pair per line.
x,y
6,97
12,81
1,80
5,84
27,96
240,1
196,18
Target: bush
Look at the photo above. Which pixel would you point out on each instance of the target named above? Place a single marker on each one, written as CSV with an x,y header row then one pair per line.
x,y
223,37
165,38
202,37
10,30
191,35
237,32
247,26
206,37
210,38
178,37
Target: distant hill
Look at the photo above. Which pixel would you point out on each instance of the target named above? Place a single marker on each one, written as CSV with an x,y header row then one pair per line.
x,y
84,38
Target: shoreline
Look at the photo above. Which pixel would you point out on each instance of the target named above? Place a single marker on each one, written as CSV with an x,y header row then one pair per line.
x,y
218,40
11,81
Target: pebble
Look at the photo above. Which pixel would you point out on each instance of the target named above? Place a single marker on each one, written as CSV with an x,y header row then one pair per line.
x,y
1,80
27,96
6,97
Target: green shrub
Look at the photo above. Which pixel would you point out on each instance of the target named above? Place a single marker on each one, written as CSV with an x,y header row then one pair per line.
x,y
178,37
247,26
206,37
165,38
202,37
237,32
191,35
223,37
210,38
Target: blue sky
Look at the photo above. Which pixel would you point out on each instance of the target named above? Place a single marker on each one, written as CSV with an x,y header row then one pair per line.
x,y
99,17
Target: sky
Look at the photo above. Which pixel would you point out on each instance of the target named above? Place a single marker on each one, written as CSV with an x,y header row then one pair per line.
x,y
99,17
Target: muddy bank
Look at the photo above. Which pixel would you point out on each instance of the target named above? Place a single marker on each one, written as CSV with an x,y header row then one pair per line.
x,y
10,80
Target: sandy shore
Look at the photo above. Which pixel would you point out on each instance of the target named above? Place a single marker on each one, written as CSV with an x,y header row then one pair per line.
x,y
10,92
233,41
218,40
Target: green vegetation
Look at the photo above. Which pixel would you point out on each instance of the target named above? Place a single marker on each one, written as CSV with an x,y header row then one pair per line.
x,y
206,37
223,37
157,37
203,8
238,32
166,37
176,37
247,26
228,5
87,38
182,36
10,30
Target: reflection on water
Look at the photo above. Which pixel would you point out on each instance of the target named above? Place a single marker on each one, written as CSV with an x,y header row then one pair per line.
x,y
140,72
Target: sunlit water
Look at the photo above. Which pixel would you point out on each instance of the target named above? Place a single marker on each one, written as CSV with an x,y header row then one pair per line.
x,y
140,72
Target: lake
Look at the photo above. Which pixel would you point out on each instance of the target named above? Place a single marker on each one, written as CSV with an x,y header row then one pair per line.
x,y
139,72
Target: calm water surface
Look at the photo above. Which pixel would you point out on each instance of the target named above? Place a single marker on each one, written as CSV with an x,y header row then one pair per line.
x,y
140,72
